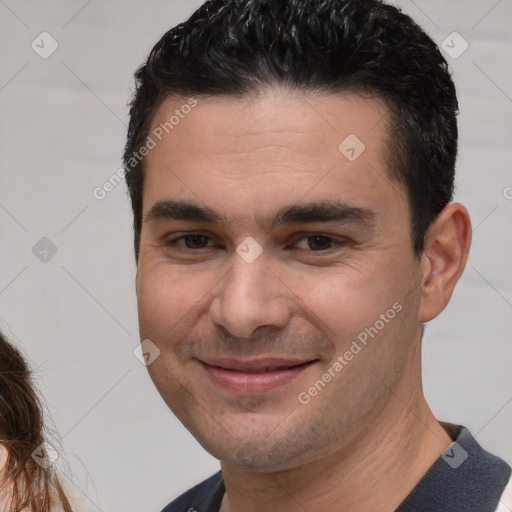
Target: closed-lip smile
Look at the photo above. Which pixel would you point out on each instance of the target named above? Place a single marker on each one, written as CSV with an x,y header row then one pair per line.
x,y
253,376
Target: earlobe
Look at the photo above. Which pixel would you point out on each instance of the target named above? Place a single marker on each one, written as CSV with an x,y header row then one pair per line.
x,y
446,251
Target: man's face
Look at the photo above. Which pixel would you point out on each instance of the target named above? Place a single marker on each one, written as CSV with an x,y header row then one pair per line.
x,y
326,283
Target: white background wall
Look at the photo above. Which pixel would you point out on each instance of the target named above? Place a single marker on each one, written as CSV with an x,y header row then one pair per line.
x,y
62,130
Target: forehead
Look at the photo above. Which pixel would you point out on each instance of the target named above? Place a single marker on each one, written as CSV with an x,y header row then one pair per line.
x,y
212,125
272,147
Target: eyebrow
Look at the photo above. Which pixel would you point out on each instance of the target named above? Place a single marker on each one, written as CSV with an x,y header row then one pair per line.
x,y
301,213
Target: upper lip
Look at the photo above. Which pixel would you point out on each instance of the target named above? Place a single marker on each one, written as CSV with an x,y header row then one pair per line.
x,y
255,365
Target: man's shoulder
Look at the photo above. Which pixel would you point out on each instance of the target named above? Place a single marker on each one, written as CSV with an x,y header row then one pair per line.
x,y
466,477
205,496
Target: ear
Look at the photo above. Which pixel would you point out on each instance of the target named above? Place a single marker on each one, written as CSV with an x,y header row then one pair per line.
x,y
443,260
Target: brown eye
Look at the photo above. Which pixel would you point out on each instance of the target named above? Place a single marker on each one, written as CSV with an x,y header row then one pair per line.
x,y
319,242
195,241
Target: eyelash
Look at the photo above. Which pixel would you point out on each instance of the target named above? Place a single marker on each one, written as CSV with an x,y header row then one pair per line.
x,y
333,241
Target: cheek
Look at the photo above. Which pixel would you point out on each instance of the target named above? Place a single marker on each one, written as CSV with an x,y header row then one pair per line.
x,y
165,299
346,301
174,303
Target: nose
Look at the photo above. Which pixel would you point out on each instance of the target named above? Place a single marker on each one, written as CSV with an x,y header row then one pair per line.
x,y
251,295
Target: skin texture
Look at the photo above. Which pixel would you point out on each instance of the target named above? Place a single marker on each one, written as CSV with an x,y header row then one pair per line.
x,y
370,425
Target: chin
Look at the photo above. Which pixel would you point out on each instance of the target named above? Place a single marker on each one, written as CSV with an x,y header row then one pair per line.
x,y
259,452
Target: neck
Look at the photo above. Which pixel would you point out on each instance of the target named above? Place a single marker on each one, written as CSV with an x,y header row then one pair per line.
x,y
390,457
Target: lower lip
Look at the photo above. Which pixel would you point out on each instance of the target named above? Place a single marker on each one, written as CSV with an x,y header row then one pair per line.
x,y
253,383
